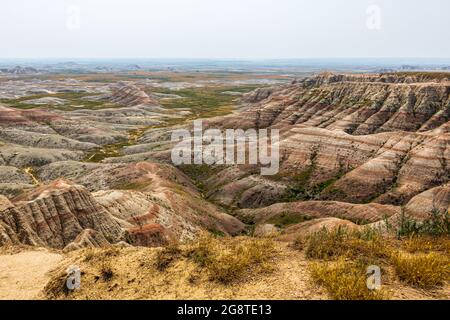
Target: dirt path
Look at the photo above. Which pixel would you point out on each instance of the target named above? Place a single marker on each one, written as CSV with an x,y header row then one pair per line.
x,y
24,274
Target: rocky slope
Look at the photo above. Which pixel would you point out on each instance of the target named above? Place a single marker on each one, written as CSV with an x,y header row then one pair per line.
x,y
54,216
354,104
58,199
352,148
129,95
142,204
356,139
347,138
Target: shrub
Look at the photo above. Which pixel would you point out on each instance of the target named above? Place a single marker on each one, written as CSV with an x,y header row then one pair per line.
x,y
345,281
368,233
166,256
106,272
286,219
299,243
203,249
436,224
422,270
407,226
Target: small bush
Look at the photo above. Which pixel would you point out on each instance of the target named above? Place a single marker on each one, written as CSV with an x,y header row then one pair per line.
x,y
422,270
368,233
166,256
286,219
407,226
299,243
345,281
106,272
89,255
436,224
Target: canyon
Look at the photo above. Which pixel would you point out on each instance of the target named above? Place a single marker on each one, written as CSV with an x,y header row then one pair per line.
x,y
86,164
355,147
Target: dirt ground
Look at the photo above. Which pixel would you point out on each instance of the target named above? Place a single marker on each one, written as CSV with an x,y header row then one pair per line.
x,y
133,276
24,274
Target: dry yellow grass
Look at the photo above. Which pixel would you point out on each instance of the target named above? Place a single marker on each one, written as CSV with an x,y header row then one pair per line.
x,y
218,261
339,242
429,268
326,244
231,259
135,274
345,281
422,270
427,244
245,267
166,256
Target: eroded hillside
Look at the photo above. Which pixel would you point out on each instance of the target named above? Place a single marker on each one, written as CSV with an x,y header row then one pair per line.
x,y
92,169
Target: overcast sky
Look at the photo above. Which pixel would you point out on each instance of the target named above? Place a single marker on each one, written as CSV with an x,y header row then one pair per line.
x,y
224,29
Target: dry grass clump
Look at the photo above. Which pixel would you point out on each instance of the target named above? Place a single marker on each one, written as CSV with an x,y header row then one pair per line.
x,y
330,244
426,265
326,244
106,271
422,270
99,255
299,243
225,260
166,256
345,281
230,260
57,286
427,244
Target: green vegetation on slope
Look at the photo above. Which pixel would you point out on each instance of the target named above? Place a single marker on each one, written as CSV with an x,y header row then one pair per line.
x,y
204,102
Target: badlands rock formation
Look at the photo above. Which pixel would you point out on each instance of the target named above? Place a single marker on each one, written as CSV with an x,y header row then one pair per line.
x,y
356,139
354,149
352,146
54,216
148,207
52,196
129,94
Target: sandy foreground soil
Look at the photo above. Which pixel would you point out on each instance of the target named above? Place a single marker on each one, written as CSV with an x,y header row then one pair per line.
x,y
24,274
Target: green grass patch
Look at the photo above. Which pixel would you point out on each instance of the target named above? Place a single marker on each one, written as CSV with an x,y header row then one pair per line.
x,y
286,219
204,102
200,172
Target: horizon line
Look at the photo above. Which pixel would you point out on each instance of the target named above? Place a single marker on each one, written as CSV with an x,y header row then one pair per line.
x,y
224,59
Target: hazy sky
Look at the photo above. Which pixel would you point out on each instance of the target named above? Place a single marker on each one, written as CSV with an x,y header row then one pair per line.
x,y
224,29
